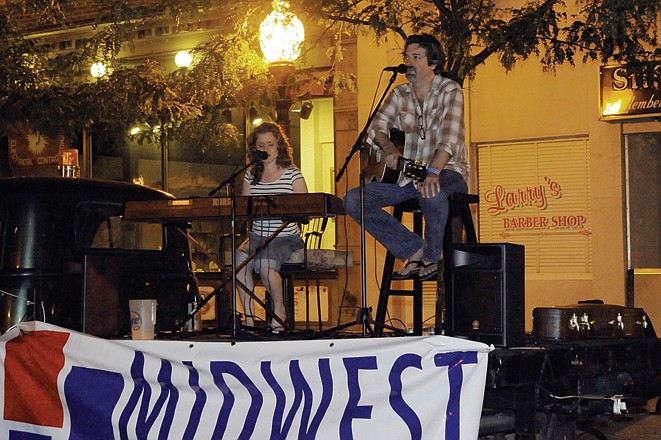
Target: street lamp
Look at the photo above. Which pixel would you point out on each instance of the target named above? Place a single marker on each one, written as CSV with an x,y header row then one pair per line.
x,y
281,35
98,70
183,59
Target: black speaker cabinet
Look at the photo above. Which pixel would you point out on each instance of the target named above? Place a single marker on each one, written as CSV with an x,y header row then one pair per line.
x,y
485,294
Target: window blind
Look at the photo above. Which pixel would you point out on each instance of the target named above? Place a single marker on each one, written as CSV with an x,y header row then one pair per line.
x,y
538,194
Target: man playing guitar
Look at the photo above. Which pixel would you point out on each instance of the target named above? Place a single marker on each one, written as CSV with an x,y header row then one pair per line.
x,y
429,109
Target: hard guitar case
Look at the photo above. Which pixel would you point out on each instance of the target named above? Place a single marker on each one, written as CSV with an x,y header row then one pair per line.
x,y
590,320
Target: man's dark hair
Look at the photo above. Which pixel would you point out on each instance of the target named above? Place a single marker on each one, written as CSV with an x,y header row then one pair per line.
x,y
435,54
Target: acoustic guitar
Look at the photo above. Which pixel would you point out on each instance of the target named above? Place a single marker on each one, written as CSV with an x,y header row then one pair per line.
x,y
374,167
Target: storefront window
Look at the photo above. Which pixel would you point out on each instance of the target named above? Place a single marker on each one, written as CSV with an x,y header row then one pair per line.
x,y
643,152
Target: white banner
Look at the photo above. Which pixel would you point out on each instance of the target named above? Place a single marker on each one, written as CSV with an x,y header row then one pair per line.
x,y
59,384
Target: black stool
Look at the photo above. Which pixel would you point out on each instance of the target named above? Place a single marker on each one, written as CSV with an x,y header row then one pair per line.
x,y
460,222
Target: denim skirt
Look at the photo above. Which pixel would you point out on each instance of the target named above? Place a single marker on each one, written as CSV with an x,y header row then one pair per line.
x,y
278,251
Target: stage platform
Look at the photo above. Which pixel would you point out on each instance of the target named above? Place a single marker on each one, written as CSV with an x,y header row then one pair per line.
x,y
547,386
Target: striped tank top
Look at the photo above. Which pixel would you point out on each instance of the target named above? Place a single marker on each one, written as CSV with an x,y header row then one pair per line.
x,y
283,185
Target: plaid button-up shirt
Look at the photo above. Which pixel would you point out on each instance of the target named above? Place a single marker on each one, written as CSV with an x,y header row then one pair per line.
x,y
439,119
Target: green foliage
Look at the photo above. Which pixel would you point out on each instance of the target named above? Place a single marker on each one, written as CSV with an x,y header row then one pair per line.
x,y
54,94
473,30
618,30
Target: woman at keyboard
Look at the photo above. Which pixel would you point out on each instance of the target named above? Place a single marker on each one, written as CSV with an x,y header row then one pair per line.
x,y
274,173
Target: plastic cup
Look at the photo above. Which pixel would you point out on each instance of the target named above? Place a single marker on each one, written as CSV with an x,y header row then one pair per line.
x,y
143,318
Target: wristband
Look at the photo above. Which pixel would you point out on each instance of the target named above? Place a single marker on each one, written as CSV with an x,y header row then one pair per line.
x,y
433,170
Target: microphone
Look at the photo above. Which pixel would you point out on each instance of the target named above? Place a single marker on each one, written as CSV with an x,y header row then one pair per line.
x,y
397,69
260,155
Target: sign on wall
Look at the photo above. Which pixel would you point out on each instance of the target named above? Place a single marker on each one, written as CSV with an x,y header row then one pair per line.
x,y
538,194
625,94
34,154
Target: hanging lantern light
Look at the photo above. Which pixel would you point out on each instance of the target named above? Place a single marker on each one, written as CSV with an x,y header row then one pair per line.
x,y
281,35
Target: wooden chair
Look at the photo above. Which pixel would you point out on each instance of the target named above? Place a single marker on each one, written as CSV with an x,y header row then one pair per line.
x,y
311,260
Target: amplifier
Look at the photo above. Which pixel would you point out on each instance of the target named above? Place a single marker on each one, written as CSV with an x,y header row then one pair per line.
x,y
485,294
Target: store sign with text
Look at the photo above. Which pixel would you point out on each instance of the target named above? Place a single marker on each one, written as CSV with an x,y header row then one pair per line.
x,y
527,207
627,93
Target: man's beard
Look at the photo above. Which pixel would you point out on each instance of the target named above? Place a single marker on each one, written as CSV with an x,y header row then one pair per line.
x,y
411,76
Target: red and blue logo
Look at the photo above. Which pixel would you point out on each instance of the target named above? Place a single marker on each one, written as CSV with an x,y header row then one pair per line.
x,y
32,365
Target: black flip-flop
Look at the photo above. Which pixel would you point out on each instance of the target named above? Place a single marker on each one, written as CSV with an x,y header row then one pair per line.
x,y
429,275
412,273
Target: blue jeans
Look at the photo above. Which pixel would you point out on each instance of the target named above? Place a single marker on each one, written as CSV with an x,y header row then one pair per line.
x,y
392,234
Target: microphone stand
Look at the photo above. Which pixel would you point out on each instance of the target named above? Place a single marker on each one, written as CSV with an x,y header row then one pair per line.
x,y
231,182
364,318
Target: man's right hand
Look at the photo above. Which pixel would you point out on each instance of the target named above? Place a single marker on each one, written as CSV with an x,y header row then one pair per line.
x,y
392,160
390,151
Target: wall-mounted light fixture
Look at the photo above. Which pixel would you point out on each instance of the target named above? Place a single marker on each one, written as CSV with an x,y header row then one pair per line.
x,y
306,109
254,117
